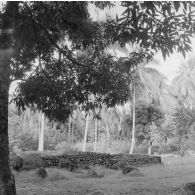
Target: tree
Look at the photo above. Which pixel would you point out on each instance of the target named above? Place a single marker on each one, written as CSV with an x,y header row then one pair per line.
x,y
96,134
183,120
41,133
40,30
34,121
133,127
86,131
184,83
146,84
7,183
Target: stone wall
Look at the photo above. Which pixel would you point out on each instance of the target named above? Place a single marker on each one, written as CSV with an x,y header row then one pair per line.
x,y
110,161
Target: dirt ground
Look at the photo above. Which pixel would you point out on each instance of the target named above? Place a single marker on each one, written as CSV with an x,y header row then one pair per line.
x,y
158,179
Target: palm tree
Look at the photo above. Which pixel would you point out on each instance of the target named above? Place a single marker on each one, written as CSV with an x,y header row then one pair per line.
x,y
86,132
184,83
34,121
96,134
146,85
41,132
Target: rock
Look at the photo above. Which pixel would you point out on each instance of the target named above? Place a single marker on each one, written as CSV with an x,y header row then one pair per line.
x,y
131,171
41,172
16,162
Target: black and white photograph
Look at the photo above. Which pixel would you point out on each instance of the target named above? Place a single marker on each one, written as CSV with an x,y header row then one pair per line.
x,y
97,97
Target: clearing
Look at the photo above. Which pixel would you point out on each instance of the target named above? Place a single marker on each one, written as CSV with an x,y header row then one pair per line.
x,y
157,179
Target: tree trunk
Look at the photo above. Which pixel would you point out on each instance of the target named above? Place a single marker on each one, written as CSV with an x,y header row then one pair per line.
x,y
119,127
7,182
108,133
72,135
86,131
150,148
96,134
69,129
133,128
41,132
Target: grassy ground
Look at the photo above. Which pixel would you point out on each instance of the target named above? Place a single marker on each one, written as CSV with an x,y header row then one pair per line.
x,y
162,179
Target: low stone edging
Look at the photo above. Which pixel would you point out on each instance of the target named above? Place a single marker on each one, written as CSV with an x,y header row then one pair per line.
x,y
108,160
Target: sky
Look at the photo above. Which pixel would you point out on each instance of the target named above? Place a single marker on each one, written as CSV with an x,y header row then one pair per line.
x,y
169,67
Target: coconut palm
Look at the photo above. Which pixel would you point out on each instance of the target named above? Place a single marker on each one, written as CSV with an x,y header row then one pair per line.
x,y
34,122
146,85
184,83
86,132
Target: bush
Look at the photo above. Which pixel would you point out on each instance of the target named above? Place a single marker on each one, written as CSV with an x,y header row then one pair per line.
x,y
190,187
41,172
63,163
32,161
167,149
141,149
16,162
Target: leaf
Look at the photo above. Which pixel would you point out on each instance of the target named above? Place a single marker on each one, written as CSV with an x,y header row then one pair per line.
x,y
176,5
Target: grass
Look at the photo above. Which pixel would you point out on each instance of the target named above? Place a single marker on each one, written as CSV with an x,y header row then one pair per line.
x,y
164,179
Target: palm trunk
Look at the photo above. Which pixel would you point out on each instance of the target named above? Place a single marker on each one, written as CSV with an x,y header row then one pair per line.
x,y
108,133
133,128
41,132
72,135
7,182
69,129
150,148
95,141
86,131
119,127
191,105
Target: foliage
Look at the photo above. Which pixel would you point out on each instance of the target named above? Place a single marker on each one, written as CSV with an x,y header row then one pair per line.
x,y
184,83
153,26
183,119
60,57
32,161
41,172
57,82
147,116
163,26
16,162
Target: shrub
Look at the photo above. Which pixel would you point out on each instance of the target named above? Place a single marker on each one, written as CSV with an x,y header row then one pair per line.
x,y
190,187
167,149
141,149
41,172
32,161
16,162
63,163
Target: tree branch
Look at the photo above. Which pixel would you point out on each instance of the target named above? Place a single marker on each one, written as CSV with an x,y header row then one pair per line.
x,y
67,53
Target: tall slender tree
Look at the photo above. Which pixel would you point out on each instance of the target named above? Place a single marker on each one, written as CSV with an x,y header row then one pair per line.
x,y
86,132
146,84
